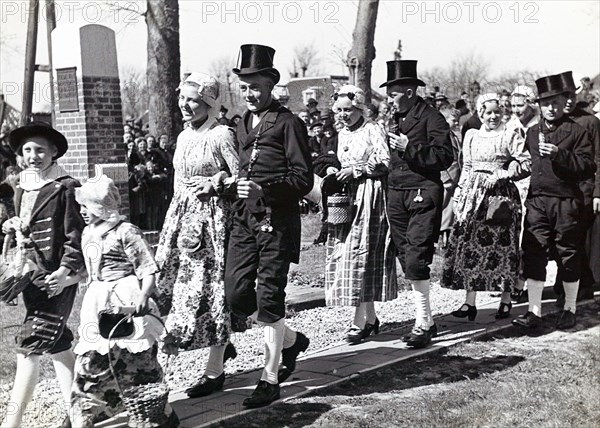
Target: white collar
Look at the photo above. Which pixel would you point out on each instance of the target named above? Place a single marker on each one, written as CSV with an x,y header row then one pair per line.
x,y
33,179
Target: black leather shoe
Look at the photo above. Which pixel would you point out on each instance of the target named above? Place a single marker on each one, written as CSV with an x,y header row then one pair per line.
x,y
206,386
470,312
419,338
230,353
264,394
503,310
433,330
289,356
566,320
356,335
529,320
519,296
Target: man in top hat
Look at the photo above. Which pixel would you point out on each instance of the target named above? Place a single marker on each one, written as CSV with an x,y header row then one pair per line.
x,y
590,267
275,172
421,149
561,157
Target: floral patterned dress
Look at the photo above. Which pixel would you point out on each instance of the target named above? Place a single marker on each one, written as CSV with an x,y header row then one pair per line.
x,y
361,259
191,249
482,256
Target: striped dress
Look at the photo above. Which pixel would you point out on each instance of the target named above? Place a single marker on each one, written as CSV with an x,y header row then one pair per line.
x,y
361,265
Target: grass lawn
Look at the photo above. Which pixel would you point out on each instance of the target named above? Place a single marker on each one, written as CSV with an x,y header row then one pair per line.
x,y
550,380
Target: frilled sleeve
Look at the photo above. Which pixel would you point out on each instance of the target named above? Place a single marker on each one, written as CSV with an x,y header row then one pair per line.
x,y
519,166
138,251
466,153
380,155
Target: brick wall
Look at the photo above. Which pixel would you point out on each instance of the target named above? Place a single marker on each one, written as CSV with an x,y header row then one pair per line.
x,y
95,133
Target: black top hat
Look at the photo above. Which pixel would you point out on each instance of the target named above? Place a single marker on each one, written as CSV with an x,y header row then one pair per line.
x,y
254,59
402,71
568,82
550,86
17,138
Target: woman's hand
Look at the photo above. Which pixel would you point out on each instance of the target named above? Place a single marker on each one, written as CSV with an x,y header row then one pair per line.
x,y
11,225
490,181
205,191
344,175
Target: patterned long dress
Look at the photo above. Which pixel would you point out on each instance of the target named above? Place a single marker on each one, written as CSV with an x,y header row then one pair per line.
x,y
361,265
191,249
480,256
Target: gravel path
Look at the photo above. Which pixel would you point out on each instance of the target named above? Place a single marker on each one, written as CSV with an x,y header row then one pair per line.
x,y
325,326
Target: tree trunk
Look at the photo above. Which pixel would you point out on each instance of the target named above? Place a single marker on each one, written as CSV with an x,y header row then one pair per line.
x,y
362,53
163,69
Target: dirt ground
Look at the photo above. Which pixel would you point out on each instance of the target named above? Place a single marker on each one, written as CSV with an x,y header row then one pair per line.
x,y
550,379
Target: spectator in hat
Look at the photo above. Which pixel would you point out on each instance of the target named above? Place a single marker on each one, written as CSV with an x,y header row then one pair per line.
x,y
561,156
314,142
371,112
311,104
275,173
419,151
48,215
223,116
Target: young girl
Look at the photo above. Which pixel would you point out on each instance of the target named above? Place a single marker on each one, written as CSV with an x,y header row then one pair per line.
x,y
120,269
45,209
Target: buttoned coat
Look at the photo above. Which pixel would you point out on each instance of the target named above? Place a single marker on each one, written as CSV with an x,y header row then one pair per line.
x,y
428,152
56,226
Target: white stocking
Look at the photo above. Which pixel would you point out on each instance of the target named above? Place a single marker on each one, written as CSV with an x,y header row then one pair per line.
x,y
273,345
289,337
28,370
423,316
214,366
571,289
535,288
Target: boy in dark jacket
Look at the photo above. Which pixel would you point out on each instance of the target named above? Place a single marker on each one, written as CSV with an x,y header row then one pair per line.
x,y
561,157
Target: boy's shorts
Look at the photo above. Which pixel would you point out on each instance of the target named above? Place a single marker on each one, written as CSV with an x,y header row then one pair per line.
x,y
45,327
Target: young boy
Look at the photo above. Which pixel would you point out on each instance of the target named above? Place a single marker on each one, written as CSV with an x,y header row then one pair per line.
x,y
45,209
561,156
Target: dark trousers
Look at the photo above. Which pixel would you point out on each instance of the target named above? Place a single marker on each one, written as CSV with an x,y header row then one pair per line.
x,y
258,262
552,226
415,228
586,280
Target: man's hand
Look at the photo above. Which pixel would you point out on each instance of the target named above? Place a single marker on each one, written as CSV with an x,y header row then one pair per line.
x,y
398,142
344,175
596,205
248,189
205,191
141,306
547,149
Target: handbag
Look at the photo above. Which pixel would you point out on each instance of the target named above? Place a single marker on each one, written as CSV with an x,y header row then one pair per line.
x,y
500,211
112,323
339,208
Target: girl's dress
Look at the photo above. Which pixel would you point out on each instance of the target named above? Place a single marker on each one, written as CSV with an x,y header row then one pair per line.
x,y
482,256
361,260
117,258
191,249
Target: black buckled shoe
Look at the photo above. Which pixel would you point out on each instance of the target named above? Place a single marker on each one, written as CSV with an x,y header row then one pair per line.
x,y
433,330
357,335
470,312
419,338
566,320
290,355
206,386
264,394
519,296
503,310
529,320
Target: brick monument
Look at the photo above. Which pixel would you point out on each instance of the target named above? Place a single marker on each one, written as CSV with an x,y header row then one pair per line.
x,y
88,104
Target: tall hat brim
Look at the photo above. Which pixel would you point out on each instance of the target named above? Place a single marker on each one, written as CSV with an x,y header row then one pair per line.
x,y
17,138
404,81
550,94
250,71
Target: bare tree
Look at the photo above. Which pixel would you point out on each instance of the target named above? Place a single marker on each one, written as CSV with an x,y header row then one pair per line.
x,y
305,56
134,92
163,68
221,69
362,53
466,69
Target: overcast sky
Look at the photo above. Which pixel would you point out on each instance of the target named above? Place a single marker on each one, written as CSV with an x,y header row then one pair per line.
x,y
552,36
